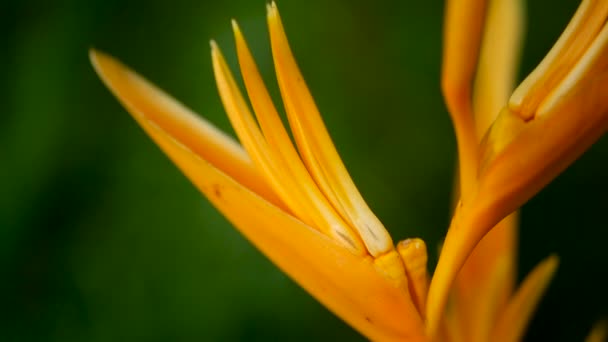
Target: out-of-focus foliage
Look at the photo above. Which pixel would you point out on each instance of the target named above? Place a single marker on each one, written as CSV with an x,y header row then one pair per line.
x,y
102,239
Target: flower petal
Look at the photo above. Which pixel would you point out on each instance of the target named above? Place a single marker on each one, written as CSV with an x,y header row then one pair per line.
x,y
302,197
316,147
592,62
517,164
462,31
518,159
513,320
574,41
498,61
347,284
145,101
487,278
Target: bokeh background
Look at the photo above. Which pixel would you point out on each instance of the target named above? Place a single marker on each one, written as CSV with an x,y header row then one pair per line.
x,y
102,239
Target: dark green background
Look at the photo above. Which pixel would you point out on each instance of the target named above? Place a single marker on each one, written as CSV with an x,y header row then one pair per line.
x,y
102,239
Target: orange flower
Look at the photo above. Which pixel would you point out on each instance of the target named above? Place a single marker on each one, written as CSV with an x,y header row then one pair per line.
x,y
299,206
556,113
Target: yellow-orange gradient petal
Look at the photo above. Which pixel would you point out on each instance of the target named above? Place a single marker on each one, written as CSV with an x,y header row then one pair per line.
x,y
462,32
347,284
316,147
498,61
518,158
574,41
513,320
145,101
487,278
540,149
593,62
302,197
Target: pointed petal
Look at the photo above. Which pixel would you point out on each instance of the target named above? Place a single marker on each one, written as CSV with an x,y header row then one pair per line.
x,y
513,320
462,31
145,101
300,198
518,159
498,61
316,147
594,60
247,131
347,284
517,164
574,41
284,156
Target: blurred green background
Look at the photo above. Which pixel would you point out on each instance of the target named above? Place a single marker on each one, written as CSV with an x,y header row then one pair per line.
x,y
102,239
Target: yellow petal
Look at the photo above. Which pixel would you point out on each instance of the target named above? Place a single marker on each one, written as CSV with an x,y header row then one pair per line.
x,y
315,145
488,276
537,151
574,41
513,320
462,31
414,255
347,284
594,60
302,199
145,101
498,61
280,146
514,170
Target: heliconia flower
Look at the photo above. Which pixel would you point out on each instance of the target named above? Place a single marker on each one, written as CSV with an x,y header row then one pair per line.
x,y
554,115
299,206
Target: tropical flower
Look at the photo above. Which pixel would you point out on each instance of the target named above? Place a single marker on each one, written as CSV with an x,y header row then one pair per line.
x,y
299,206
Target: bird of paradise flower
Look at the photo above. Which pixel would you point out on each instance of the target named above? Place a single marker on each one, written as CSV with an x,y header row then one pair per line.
x,y
299,206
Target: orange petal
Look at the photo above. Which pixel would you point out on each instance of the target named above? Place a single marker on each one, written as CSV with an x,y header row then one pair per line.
x,y
593,61
316,146
488,276
537,151
498,61
299,195
519,159
513,320
574,41
347,284
462,31
145,101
